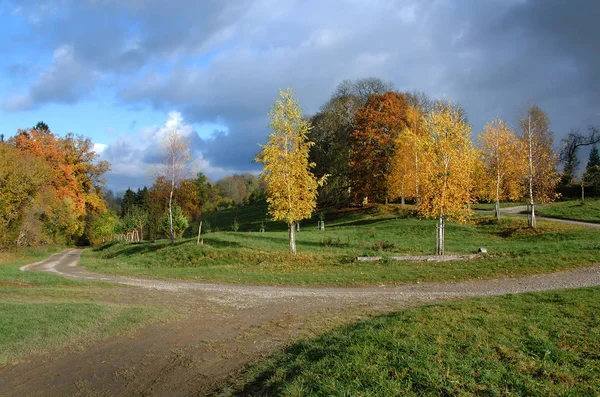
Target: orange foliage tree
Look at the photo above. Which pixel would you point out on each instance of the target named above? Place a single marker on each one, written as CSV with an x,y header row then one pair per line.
x,y
378,125
72,192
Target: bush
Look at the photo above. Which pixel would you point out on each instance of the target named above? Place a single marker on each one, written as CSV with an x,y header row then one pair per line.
x,y
180,222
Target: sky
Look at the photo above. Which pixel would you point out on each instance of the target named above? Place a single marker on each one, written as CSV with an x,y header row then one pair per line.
x,y
123,72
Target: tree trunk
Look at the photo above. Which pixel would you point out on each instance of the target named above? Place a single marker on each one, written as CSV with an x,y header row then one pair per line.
x,y
402,198
531,202
582,191
292,238
199,232
532,222
497,209
439,237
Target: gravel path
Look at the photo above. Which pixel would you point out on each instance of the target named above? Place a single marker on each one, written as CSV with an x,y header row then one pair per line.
x,y
222,328
516,210
65,264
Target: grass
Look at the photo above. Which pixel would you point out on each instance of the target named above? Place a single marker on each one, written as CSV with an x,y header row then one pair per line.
x,y
492,206
328,258
572,209
34,328
532,344
43,313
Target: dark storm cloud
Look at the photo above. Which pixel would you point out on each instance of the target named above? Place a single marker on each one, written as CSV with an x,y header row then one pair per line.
x,y
225,61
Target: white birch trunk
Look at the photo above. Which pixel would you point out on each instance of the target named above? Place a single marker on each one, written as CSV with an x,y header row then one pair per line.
x,y
292,238
199,233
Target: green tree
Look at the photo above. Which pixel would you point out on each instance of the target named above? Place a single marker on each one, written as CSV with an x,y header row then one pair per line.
x,y
102,227
591,177
173,222
291,186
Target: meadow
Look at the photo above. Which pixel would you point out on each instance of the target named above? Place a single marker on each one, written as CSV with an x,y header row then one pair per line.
x,y
44,313
531,344
329,257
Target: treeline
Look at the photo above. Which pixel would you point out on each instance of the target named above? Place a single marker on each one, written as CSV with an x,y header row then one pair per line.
x,y
378,144
50,188
143,214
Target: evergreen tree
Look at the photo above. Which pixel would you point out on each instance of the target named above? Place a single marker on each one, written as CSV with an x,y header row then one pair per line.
x,y
594,158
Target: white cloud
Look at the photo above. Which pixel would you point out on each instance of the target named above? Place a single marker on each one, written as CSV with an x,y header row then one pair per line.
x,y
99,147
134,156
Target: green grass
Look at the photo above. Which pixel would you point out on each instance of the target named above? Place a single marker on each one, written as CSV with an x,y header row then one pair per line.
x,y
492,206
533,344
572,209
328,258
41,312
28,328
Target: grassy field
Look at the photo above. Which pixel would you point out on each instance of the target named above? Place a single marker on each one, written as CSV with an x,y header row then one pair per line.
x,y
572,209
492,206
41,312
533,344
328,258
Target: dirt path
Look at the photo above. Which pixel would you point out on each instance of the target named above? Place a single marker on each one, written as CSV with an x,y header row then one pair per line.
x,y
516,210
224,327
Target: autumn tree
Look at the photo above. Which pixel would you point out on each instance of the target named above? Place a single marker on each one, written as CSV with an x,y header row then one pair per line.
x,y
332,127
22,177
448,155
502,160
72,194
291,186
536,146
378,124
402,178
175,167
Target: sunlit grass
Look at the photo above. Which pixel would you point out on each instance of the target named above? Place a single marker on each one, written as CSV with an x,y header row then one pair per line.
x,y
532,344
328,257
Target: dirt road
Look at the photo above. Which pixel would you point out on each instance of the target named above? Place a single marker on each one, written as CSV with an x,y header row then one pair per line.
x,y
224,327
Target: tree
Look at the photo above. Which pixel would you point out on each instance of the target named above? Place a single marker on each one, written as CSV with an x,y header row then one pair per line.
x,y
234,187
176,162
501,157
378,124
332,127
102,227
448,155
402,177
22,177
291,186
591,177
536,145
129,201
173,222
569,149
594,159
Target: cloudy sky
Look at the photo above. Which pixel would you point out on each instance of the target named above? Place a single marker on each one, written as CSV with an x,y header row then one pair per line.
x,y
124,71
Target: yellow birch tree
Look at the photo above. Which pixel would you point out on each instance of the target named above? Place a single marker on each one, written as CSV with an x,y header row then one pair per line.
x,y
501,155
536,148
402,177
448,156
291,185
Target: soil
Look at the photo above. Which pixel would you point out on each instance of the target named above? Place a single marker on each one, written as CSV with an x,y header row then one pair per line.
x,y
218,329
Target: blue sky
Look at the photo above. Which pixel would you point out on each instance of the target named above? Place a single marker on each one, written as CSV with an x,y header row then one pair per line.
x,y
121,71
